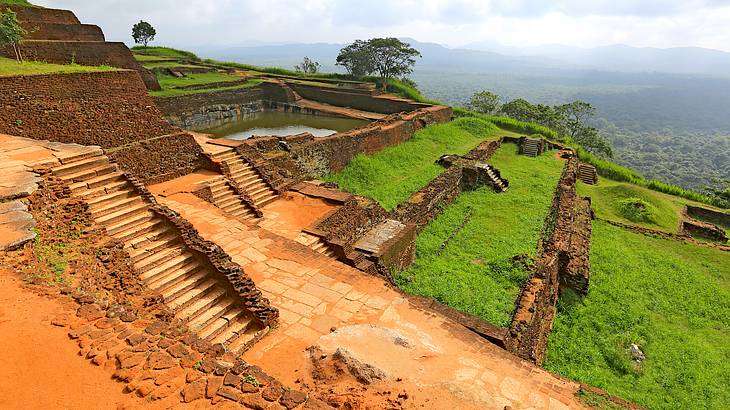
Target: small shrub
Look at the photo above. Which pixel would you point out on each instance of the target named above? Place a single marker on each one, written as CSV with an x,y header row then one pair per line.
x,y
637,210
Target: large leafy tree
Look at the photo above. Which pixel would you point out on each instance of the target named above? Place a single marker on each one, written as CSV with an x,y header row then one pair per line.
x,y
485,102
357,59
143,33
307,66
392,58
11,33
388,57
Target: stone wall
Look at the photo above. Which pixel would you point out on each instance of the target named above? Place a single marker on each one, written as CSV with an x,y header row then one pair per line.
x,y
62,32
108,109
357,100
41,14
704,214
422,207
161,159
206,109
562,263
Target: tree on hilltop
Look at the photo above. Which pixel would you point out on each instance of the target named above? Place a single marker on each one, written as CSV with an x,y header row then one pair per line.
x,y
388,57
307,66
357,59
485,102
143,33
11,32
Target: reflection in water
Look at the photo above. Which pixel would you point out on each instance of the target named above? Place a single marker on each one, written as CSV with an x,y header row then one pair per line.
x,y
280,123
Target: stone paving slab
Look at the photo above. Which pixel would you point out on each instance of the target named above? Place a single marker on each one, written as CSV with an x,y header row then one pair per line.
x,y
326,303
375,238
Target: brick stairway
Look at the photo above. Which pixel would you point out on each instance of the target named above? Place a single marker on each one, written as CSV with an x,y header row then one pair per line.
x,y
247,178
500,185
531,147
587,174
225,198
189,285
315,243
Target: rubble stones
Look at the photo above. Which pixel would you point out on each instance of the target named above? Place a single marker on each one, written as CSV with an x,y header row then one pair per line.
x,y
292,398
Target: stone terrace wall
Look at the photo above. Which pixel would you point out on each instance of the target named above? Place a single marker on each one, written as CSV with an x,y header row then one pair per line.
x,y
62,32
562,262
108,109
41,14
704,214
358,100
194,110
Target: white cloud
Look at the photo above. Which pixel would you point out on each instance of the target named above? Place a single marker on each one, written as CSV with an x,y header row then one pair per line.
x,y
659,23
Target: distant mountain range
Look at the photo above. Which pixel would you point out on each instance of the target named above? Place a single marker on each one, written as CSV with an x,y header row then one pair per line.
x,y
489,58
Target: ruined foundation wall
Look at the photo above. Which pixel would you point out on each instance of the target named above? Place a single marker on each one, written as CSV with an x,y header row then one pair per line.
x,y
704,214
562,262
357,100
206,109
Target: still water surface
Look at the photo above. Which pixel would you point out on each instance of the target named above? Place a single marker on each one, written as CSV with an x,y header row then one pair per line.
x,y
280,123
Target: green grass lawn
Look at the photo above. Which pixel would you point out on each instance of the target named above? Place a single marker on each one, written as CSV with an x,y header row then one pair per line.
x,y
143,58
672,299
167,64
393,174
10,67
164,52
17,2
173,92
168,81
475,273
609,198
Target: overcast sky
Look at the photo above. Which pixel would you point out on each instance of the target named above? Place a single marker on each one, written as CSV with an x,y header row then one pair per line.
x,y
181,23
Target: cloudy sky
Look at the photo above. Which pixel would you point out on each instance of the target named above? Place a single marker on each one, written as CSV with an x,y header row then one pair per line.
x,y
182,23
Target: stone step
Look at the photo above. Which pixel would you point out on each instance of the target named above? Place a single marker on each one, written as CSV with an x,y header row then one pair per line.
x,y
156,272
103,209
265,200
227,201
96,182
88,173
77,166
159,256
122,214
224,324
110,197
235,327
202,303
207,316
121,185
215,327
243,340
139,242
169,239
135,231
168,281
185,298
128,223
225,155
243,213
88,152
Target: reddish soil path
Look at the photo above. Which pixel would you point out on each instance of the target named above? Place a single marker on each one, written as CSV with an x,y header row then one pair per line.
x,y
41,367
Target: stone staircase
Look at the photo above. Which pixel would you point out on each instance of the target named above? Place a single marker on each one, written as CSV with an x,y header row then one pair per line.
x,y
499,184
587,174
315,243
226,198
196,293
247,178
531,147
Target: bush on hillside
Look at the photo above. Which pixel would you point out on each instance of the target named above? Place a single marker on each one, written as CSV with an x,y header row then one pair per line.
x,y
636,210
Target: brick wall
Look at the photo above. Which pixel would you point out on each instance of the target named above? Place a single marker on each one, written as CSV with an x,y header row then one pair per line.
x,y
356,100
41,14
704,214
194,110
109,109
562,262
58,31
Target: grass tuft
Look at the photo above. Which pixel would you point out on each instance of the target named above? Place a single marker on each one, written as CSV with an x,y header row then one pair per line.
x,y
10,67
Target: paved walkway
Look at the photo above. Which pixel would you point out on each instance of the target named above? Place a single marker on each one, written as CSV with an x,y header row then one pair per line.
x,y
324,302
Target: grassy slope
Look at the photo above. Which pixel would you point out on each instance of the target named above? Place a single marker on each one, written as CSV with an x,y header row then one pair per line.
x,y
172,92
9,67
168,81
164,52
18,2
474,273
671,298
395,173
